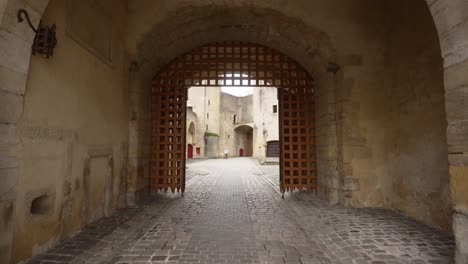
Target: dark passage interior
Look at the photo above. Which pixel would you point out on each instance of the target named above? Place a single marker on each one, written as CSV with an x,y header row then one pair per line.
x,y
369,99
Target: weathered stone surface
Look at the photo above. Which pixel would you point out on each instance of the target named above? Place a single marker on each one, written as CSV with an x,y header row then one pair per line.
x,y
37,5
456,137
457,104
73,100
3,4
8,134
458,159
12,81
450,19
455,45
8,161
460,228
6,229
21,30
8,178
90,27
11,107
447,13
351,184
459,188
15,52
231,215
455,76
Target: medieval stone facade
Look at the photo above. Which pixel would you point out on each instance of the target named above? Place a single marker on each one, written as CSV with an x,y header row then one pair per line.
x,y
244,126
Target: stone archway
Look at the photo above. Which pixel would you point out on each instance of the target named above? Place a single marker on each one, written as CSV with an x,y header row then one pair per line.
x,y
244,140
450,18
234,63
285,34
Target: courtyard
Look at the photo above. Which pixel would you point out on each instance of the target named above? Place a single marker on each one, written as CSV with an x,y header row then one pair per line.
x,y
232,212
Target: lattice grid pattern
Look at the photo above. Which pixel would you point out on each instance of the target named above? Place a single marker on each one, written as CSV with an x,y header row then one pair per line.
x,y
168,164
234,64
298,168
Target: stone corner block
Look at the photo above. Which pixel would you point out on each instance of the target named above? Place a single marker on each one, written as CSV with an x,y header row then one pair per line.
x,y
12,81
11,107
460,230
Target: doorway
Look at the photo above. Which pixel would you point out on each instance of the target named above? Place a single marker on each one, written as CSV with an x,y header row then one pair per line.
x,y
235,64
190,151
273,149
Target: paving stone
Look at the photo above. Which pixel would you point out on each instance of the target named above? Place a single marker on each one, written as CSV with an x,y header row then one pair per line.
x,y
232,212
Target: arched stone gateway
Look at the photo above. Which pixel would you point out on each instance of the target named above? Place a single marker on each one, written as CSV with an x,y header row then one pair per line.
x,y
294,28
234,64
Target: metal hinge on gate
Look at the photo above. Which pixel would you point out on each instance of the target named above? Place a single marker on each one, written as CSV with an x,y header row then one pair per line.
x,y
45,39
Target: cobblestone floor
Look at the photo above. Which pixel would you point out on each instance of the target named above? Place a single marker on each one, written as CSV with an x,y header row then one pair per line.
x,y
233,213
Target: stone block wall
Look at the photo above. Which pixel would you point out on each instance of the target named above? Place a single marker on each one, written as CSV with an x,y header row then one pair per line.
x,y
15,53
451,20
392,144
266,122
57,117
230,105
139,148
416,128
328,135
349,169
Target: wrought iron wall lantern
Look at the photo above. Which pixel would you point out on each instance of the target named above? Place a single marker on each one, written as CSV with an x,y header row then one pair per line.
x,y
45,39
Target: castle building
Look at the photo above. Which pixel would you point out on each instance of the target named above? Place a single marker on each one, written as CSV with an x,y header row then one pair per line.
x,y
242,125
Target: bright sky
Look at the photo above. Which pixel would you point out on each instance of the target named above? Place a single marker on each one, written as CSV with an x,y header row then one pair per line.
x,y
238,91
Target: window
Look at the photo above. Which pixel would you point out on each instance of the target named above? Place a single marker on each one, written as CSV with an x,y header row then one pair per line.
x,y
234,119
209,102
275,109
206,127
207,115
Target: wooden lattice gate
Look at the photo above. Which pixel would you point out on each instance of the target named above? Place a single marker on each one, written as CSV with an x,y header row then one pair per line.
x,y
234,64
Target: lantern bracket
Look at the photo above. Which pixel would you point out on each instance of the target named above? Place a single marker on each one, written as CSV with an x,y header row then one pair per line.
x,y
45,39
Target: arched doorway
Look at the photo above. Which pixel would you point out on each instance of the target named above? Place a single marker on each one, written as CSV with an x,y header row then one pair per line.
x,y
234,64
190,140
244,140
191,133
